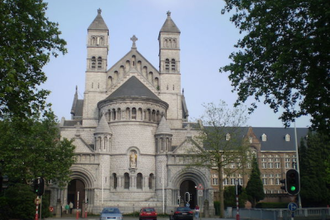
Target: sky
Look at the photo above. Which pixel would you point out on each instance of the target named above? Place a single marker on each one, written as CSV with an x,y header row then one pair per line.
x,y
207,39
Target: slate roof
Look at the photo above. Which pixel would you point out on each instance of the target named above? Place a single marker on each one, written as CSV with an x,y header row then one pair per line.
x,y
103,126
133,88
276,138
163,127
98,23
169,25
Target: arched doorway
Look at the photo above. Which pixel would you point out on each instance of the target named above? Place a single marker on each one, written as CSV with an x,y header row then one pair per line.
x,y
74,187
188,186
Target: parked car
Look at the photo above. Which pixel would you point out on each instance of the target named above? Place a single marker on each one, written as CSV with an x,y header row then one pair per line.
x,y
148,213
112,213
183,213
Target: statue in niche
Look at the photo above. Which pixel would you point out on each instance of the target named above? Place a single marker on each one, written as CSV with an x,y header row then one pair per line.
x,y
133,159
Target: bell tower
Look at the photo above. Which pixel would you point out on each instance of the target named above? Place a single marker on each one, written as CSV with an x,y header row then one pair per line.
x,y
169,69
95,83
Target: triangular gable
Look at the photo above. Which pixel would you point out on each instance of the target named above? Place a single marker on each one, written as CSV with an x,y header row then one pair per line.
x,y
188,146
82,146
133,63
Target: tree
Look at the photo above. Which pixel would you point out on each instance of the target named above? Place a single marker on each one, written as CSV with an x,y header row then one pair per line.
x,y
283,57
230,197
28,39
314,166
33,148
254,188
222,143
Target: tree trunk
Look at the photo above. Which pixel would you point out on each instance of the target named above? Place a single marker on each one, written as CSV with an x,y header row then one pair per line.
x,y
222,205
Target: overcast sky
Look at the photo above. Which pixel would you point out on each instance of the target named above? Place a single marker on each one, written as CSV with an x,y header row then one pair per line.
x,y
207,39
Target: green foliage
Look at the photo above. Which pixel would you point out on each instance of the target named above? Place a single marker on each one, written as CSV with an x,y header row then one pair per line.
x,y
283,57
272,205
254,187
33,148
230,197
314,175
18,203
45,206
217,208
28,39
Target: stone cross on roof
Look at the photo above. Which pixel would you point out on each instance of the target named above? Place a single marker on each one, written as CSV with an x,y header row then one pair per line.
x,y
99,11
134,39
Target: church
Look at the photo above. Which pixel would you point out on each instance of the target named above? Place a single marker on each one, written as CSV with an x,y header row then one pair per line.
x,y
131,130
132,135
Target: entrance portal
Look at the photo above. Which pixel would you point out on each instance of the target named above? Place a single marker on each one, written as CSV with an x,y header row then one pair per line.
x,y
74,187
186,187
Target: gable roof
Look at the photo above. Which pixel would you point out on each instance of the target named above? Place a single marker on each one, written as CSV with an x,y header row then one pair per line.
x,y
133,87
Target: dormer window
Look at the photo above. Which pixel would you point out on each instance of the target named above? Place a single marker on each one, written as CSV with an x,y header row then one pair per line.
x,y
227,137
287,137
264,137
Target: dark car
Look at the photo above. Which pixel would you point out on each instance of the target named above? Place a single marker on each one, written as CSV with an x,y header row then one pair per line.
x,y
112,213
184,213
148,213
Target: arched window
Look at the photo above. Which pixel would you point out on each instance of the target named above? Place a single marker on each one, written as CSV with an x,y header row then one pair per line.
x,y
167,64
126,181
93,40
173,65
139,181
118,114
151,180
128,114
93,63
134,113
113,114
114,180
99,62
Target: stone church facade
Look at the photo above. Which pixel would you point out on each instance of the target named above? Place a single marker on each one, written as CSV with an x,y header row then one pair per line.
x,y
132,135
131,130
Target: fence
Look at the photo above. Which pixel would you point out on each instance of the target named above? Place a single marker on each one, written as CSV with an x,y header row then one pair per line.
x,y
281,214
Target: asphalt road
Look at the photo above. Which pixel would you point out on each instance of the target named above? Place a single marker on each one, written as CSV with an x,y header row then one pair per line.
x,y
126,218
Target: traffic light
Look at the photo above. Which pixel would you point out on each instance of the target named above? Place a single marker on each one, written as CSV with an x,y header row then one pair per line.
x,y
292,182
239,189
283,187
38,186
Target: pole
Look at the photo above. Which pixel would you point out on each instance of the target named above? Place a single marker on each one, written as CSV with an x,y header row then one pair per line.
x,y
37,207
237,201
297,160
40,207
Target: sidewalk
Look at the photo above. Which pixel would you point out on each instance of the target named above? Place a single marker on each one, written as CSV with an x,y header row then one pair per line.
x,y
68,217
